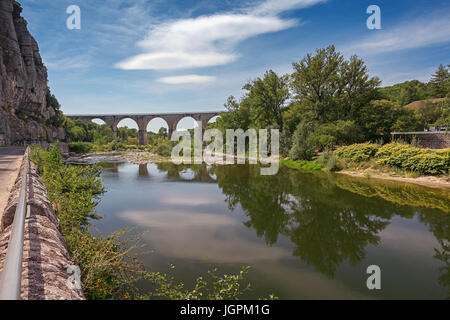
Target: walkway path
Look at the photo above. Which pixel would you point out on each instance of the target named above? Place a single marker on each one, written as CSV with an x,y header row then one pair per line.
x,y
10,161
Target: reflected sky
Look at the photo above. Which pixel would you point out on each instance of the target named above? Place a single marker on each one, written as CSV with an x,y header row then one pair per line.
x,y
305,236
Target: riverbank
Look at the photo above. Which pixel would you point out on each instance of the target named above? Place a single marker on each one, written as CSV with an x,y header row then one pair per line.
x,y
427,181
144,157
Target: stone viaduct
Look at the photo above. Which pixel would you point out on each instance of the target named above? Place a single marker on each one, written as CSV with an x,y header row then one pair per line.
x,y
142,120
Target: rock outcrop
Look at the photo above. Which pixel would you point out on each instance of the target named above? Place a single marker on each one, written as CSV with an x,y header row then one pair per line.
x,y
25,114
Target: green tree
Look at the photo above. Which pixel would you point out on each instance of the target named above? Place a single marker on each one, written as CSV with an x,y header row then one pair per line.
x,y
377,118
440,82
302,142
444,117
407,120
429,112
238,116
331,87
406,92
266,99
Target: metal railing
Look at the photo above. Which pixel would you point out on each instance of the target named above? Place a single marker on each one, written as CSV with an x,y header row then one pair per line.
x,y
11,277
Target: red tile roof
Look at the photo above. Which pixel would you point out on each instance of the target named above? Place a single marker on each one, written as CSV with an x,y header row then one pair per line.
x,y
420,102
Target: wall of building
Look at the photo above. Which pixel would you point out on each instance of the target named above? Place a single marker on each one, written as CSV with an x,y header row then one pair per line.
x,y
434,140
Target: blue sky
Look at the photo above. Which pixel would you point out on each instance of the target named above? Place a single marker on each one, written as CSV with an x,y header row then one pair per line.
x,y
169,56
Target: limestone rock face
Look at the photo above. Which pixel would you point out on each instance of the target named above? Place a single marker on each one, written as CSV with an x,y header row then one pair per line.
x,y
23,83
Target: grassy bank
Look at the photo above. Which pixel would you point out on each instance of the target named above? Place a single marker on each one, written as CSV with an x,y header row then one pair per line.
x,y
302,165
109,265
394,161
401,158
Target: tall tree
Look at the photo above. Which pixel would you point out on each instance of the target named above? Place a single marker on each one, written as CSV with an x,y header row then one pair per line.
x,y
266,98
440,82
331,86
237,117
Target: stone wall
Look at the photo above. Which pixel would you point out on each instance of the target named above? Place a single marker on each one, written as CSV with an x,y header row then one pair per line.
x,y
45,257
434,140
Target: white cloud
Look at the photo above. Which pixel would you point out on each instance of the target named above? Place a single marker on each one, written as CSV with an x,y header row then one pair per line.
x,y
272,7
425,31
189,78
209,40
200,42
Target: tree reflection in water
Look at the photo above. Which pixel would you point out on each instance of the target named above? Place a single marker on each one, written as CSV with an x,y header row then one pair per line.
x,y
331,219
327,222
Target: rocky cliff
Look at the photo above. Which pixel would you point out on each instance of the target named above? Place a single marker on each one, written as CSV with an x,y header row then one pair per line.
x,y
28,112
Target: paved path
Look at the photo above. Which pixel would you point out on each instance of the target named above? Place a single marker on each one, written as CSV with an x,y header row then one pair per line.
x,y
10,161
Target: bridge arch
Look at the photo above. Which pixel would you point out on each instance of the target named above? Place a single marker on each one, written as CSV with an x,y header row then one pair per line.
x,y
98,121
213,119
126,122
187,123
155,124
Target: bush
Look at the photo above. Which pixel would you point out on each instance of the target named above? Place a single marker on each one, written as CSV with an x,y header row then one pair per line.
x,y
117,145
164,149
329,160
357,152
285,143
302,143
414,159
395,154
79,147
428,163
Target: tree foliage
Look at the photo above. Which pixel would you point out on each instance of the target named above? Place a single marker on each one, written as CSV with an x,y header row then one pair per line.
x,y
440,82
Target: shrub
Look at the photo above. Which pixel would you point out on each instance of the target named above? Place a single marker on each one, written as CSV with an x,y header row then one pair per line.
x,y
324,141
302,143
414,159
117,145
444,152
79,147
164,149
285,143
427,163
329,160
357,152
395,154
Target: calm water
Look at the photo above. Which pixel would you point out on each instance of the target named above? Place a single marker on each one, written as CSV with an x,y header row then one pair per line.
x,y
306,236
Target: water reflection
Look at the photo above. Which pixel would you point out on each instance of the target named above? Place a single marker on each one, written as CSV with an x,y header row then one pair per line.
x,y
326,221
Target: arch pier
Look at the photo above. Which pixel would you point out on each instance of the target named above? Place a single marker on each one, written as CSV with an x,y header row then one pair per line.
x,y
142,121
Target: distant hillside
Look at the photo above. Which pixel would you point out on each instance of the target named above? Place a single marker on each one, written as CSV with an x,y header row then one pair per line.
x,y
410,91
407,92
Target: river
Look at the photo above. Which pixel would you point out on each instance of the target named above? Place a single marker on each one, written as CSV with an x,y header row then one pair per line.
x,y
305,235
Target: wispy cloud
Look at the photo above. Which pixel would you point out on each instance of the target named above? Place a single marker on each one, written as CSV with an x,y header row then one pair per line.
x,y
209,40
273,7
184,79
428,30
70,63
